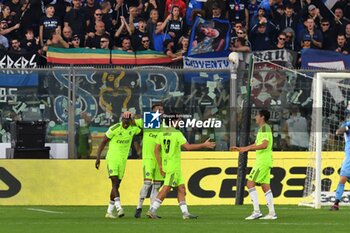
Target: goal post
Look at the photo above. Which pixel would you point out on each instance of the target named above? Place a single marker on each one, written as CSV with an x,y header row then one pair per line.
x,y
330,93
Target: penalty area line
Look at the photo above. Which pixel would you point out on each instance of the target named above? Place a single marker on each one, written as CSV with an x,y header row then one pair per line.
x,y
45,211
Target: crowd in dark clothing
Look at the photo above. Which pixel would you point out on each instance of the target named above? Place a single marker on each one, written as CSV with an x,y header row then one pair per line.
x,y
164,25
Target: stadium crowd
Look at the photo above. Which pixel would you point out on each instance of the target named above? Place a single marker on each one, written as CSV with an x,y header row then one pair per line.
x,y
164,25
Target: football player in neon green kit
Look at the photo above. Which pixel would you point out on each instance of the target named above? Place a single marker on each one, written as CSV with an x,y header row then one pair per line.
x,y
169,142
260,174
150,167
119,137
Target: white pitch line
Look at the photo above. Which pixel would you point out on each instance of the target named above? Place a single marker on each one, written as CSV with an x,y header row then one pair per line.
x,y
45,211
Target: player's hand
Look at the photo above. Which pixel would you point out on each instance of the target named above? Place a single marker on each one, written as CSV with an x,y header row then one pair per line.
x,y
126,114
209,144
97,164
243,149
234,148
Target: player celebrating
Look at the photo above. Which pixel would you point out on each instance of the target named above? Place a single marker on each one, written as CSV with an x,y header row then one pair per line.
x,y
151,170
120,137
260,174
345,168
169,141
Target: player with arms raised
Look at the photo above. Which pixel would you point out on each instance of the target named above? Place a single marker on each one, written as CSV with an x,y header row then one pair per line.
x,y
119,137
260,174
169,142
150,167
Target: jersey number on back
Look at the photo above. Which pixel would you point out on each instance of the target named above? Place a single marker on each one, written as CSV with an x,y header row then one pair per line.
x,y
166,144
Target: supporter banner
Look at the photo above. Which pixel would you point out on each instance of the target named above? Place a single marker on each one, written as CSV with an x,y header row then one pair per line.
x,y
18,78
210,179
329,3
316,59
209,36
269,86
84,56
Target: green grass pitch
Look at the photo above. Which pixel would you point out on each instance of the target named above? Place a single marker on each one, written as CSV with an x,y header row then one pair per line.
x,y
212,219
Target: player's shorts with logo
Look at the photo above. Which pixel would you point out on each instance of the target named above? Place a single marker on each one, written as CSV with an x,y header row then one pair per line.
x,y
116,167
151,170
260,174
173,179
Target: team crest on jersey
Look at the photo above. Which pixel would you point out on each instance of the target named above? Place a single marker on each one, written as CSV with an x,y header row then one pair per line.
x,y
147,173
110,171
120,133
130,133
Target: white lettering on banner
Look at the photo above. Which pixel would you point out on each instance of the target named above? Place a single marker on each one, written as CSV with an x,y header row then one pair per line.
x,y
328,198
206,63
21,62
8,95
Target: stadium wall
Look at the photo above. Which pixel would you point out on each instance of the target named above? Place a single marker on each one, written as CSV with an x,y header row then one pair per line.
x,y
210,180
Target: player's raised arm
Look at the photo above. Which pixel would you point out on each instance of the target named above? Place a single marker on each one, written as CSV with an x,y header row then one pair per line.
x,y
342,129
105,140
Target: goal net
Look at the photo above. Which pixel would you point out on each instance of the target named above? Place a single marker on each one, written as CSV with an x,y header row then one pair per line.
x,y
331,94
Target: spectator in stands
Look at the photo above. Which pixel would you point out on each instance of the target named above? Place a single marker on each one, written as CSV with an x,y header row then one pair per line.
x,y
306,42
75,19
134,18
267,5
169,4
237,11
5,30
93,39
30,43
145,43
75,42
340,21
48,23
260,37
281,40
290,38
169,48
328,35
347,33
120,10
258,17
91,23
104,42
126,45
15,47
314,13
138,34
4,43
6,14
183,47
295,3
316,35
89,9
253,6
288,19
150,5
123,31
173,25
67,34
15,7
342,46
152,24
240,44
216,11
55,40
158,38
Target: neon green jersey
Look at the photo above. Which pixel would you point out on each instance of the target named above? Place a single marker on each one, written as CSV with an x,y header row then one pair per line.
x,y
264,157
170,140
148,140
120,140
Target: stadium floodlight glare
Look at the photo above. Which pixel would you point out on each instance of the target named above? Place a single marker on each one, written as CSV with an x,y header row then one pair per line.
x,y
331,93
